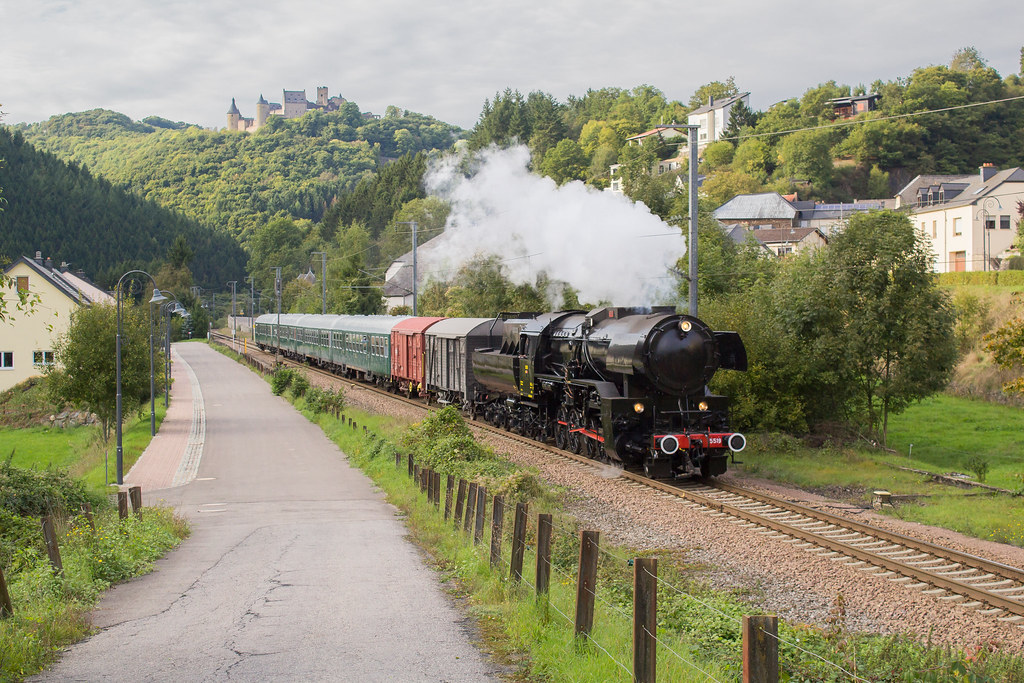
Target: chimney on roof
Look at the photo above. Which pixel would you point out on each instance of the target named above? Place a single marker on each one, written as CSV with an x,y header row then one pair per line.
x,y
49,263
64,266
39,257
987,171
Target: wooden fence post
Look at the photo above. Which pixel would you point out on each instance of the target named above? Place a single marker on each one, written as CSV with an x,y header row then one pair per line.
x,y
481,505
497,522
518,543
586,582
135,496
448,489
6,608
437,490
122,504
645,619
460,502
412,465
398,460
760,649
52,549
424,479
470,504
87,511
544,528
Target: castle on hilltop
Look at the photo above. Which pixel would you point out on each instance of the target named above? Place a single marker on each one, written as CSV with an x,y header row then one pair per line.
x,y
295,105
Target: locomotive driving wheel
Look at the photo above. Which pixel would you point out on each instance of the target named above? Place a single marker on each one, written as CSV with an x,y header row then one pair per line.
x,y
562,430
593,445
575,444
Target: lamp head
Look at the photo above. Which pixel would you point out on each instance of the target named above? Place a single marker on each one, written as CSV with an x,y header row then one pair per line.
x,y
157,297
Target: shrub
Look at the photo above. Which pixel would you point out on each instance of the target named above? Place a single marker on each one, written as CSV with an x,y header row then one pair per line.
x,y
280,380
978,465
35,493
324,400
300,384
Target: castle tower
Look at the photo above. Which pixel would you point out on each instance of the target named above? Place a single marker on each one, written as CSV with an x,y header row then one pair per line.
x,y
233,116
321,95
262,111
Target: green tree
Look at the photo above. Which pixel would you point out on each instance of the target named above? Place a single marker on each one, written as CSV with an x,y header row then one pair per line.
x,y
86,358
715,89
807,155
717,155
967,59
564,162
1006,345
894,325
722,186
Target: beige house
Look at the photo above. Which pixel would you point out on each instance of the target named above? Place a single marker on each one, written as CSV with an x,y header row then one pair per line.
x,y
27,338
969,220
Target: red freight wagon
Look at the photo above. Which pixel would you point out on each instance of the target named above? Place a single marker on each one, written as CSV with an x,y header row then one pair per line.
x,y
407,351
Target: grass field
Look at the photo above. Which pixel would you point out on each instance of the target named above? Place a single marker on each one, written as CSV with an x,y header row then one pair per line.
x,y
80,450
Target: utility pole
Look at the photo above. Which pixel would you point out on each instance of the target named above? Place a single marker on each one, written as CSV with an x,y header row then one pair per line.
x,y
414,226
692,137
277,294
233,283
252,304
323,280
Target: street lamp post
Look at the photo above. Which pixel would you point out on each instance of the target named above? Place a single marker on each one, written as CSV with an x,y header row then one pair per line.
x,y
157,298
169,308
986,241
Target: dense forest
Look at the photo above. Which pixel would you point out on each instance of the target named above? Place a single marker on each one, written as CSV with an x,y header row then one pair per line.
x,y
237,182
69,214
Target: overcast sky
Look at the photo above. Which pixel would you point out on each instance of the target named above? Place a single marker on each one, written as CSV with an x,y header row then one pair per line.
x,y
185,59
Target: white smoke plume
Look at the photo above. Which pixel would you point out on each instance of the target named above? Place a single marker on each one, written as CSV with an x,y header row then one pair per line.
x,y
602,244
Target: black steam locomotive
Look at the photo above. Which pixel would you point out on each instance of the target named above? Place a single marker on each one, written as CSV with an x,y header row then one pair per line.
x,y
624,384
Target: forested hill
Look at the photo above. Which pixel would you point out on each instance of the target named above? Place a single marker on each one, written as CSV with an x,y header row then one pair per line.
x,y
70,215
234,181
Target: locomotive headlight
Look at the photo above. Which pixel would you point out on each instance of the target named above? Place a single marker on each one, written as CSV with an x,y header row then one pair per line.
x,y
703,405
638,408
685,325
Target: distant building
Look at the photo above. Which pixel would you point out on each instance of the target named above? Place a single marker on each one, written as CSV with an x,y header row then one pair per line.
x,y
969,220
27,338
294,105
849,107
713,118
772,210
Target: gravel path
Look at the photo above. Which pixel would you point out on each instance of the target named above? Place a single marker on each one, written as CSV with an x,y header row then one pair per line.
x,y
799,586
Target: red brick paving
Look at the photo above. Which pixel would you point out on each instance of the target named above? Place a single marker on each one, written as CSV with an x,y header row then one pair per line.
x,y
158,464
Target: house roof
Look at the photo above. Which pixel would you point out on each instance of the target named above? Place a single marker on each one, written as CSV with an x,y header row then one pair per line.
x,y
782,235
76,288
398,281
766,205
234,108
718,104
966,190
656,131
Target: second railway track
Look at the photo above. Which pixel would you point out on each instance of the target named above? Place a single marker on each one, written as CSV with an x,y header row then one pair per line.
x,y
951,576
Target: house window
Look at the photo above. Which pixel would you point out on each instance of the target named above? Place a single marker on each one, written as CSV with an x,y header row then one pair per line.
x,y
957,229
23,283
1004,223
935,229
6,360
42,359
990,222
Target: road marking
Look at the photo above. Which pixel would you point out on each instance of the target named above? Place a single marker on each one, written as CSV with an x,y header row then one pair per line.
x,y
197,432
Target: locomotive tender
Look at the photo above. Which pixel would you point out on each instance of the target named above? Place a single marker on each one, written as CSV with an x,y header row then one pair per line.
x,y
624,385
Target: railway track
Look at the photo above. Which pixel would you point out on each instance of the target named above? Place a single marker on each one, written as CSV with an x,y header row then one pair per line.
x,y
953,577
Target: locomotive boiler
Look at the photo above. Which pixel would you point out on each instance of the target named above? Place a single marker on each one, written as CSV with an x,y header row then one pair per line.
x,y
624,384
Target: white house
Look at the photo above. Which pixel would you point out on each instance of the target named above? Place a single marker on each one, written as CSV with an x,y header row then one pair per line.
x,y
713,118
27,338
969,220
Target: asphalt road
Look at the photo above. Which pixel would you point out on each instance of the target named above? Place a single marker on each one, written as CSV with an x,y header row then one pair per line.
x,y
296,568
